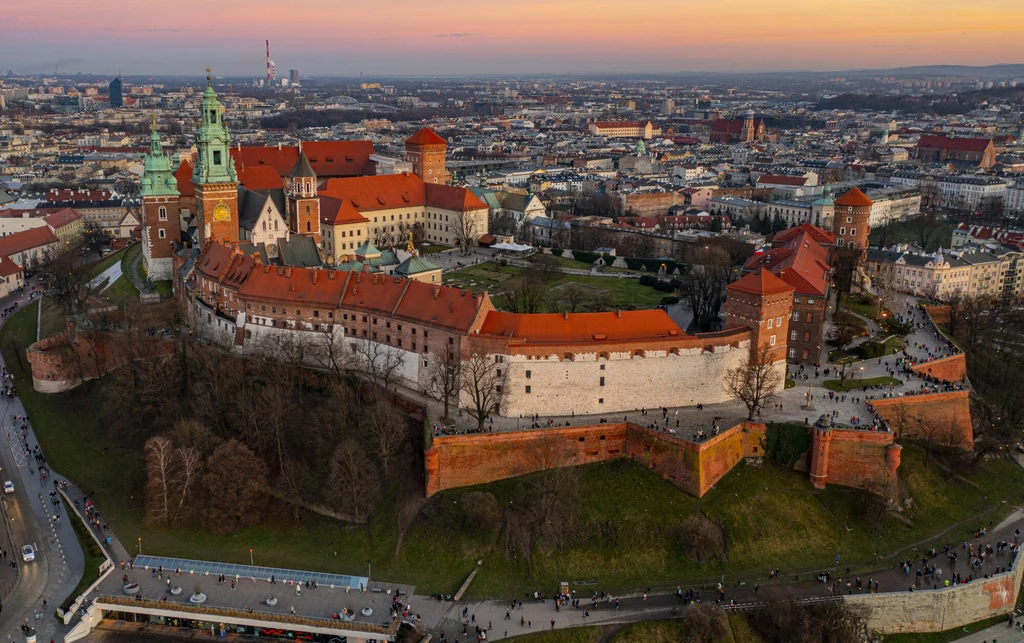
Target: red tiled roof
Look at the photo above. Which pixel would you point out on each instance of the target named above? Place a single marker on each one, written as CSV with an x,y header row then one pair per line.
x,y
415,301
820,235
301,286
259,178
450,197
25,240
8,267
56,195
620,124
184,176
802,262
389,191
60,218
327,158
760,282
581,328
339,211
780,179
425,136
958,144
854,198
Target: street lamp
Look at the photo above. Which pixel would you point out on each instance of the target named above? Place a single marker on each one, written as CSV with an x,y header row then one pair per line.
x,y
140,545
252,564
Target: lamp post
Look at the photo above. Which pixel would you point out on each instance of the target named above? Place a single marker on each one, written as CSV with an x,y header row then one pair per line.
x,y
251,564
140,545
367,570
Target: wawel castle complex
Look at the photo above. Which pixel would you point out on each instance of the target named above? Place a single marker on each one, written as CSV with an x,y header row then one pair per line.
x,y
304,247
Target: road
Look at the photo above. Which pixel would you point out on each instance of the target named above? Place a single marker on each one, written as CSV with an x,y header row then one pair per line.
x,y
29,514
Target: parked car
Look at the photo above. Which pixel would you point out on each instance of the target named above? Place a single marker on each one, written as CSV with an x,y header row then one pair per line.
x,y
8,487
28,554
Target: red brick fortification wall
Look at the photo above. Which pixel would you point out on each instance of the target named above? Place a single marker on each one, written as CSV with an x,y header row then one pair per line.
x,y
939,314
465,460
946,369
59,365
944,417
694,468
861,459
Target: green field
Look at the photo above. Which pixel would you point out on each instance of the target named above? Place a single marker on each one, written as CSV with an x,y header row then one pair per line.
x,y
857,384
121,291
574,635
53,321
565,262
97,268
623,537
627,294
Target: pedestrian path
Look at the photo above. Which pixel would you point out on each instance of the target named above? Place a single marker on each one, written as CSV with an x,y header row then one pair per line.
x,y
110,275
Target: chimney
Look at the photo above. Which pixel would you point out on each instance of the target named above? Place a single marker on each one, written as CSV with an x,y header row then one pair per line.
x,y
618,313
437,291
330,274
315,273
292,288
565,314
451,307
288,272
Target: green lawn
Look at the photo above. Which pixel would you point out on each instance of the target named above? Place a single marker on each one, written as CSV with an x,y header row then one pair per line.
x,y
892,344
565,262
574,635
54,321
857,384
628,294
865,309
762,511
99,267
93,557
164,288
434,248
121,291
948,635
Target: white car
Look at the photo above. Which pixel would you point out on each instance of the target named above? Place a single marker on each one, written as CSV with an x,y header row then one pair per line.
x,y
8,487
28,554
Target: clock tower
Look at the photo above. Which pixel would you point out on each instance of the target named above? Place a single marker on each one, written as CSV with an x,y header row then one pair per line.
x,y
214,177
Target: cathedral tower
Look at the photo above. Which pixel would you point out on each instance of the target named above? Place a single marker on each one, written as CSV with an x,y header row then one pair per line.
x,y
426,151
851,222
214,178
303,203
161,224
747,134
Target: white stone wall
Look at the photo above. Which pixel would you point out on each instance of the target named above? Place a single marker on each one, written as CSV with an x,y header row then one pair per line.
x,y
563,387
158,269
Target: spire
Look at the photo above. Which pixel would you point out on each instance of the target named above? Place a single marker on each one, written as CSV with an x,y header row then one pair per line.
x,y
483,178
155,146
302,167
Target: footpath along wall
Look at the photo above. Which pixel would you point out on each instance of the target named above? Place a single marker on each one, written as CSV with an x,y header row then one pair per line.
x,y
465,460
937,610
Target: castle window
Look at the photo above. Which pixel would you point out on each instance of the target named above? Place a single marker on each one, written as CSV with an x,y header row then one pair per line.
x,y
161,233
810,317
778,322
602,381
792,335
810,301
528,390
792,353
307,209
853,232
807,336
600,400
771,340
796,315
770,322
529,374
842,231
307,226
163,213
602,367
316,313
216,157
849,219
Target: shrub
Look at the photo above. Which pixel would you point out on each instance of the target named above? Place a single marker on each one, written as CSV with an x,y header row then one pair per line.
x,y
700,539
663,286
785,443
648,280
668,301
584,256
870,350
608,259
557,252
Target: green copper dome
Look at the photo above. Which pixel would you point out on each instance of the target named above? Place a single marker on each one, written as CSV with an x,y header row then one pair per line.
x,y
157,177
214,163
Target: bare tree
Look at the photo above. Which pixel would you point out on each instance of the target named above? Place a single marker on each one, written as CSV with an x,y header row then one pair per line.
x,y
480,387
380,362
388,430
703,286
756,382
331,352
901,421
190,466
445,374
573,296
523,295
352,483
467,228
160,465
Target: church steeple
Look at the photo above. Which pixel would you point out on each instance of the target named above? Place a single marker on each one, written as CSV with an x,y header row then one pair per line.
x,y
214,177
161,223
303,203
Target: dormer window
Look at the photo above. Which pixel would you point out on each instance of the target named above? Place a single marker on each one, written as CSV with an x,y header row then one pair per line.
x,y
216,157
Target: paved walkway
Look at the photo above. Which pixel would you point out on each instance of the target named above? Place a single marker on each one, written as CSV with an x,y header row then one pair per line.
x,y
135,275
110,275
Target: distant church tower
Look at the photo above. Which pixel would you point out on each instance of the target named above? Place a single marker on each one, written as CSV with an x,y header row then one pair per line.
x,y
747,135
303,204
161,225
426,151
214,178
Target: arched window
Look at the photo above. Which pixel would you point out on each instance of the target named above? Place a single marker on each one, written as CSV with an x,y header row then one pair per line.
x,y
162,213
308,226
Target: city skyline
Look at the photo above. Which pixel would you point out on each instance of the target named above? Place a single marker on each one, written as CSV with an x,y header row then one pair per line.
x,y
482,38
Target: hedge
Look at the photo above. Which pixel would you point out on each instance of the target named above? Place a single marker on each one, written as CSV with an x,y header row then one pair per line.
x,y
651,265
586,257
785,443
557,252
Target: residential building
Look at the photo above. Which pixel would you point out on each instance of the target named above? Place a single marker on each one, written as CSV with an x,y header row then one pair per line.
x,y
625,129
978,152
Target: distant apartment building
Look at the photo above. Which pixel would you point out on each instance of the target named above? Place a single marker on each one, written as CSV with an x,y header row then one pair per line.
x,y
990,272
116,96
963,192
625,129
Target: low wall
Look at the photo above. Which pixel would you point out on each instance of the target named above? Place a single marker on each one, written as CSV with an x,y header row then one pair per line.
x,y
943,417
946,369
466,460
937,610
860,459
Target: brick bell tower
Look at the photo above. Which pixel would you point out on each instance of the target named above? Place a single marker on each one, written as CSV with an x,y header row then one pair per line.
x,y
303,203
161,224
426,151
851,220
763,303
214,177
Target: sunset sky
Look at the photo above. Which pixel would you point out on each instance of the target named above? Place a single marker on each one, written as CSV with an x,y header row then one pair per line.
x,y
342,37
